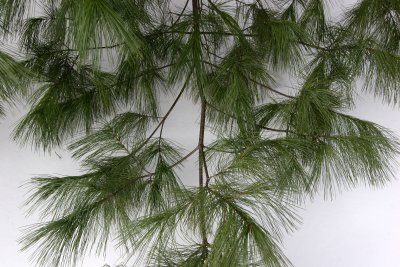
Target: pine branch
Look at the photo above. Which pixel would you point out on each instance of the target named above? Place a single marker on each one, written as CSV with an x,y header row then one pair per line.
x,y
196,6
271,89
202,158
258,125
254,81
90,48
180,14
267,155
150,174
164,118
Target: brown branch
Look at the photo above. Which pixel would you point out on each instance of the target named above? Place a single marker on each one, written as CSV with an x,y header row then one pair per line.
x,y
185,157
271,89
201,141
202,157
180,14
210,33
254,81
90,48
164,118
196,6
258,125
125,186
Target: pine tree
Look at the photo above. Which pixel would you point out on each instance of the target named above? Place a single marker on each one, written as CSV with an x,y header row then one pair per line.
x,y
94,72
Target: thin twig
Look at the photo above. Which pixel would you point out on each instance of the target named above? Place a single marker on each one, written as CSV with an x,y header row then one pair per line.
x,y
164,118
185,157
271,89
254,81
180,14
125,186
258,125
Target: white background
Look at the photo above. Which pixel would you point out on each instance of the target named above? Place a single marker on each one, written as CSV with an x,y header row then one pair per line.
x,y
358,228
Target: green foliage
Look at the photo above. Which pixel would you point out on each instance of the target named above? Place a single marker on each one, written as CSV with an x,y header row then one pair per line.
x,y
277,37
12,80
96,71
69,99
243,237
